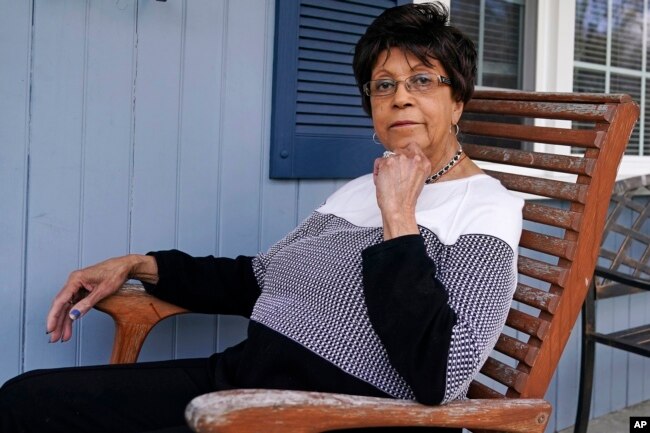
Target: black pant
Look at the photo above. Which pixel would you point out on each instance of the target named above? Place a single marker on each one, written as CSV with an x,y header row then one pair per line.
x,y
133,398
145,397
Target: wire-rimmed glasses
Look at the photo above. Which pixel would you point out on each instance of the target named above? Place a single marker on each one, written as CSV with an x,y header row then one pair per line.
x,y
420,83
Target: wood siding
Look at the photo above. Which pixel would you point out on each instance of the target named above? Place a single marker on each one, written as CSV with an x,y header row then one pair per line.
x,y
128,126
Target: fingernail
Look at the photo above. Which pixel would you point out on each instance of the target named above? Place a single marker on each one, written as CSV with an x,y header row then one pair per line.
x,y
48,332
74,314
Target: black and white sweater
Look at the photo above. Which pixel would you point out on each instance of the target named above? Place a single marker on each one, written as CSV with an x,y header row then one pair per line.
x,y
335,308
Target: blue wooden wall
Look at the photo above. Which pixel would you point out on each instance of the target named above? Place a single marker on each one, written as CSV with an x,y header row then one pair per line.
x,y
127,126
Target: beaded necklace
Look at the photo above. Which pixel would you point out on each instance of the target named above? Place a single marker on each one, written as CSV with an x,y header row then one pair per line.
x,y
452,162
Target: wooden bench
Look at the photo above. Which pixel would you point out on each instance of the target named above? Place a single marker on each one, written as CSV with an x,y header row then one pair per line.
x,y
559,247
624,270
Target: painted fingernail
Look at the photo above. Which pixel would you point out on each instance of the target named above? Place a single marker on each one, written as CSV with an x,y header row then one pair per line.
x,y
74,314
48,332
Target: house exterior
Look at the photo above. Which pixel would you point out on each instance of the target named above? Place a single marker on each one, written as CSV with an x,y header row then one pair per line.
x,y
130,126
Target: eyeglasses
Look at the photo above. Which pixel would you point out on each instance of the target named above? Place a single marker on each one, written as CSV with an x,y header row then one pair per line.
x,y
419,83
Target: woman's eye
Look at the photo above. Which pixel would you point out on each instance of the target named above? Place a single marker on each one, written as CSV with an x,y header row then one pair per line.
x,y
384,85
422,80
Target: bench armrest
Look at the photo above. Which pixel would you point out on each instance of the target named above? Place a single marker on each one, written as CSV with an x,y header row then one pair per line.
x,y
135,313
245,411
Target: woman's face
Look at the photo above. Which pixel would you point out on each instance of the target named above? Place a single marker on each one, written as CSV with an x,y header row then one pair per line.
x,y
424,118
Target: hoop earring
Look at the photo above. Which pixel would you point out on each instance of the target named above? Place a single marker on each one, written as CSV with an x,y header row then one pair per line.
x,y
457,129
374,139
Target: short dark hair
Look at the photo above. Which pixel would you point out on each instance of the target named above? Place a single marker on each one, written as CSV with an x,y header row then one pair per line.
x,y
422,30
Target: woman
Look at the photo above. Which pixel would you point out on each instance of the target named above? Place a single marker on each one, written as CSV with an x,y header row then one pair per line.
x,y
398,286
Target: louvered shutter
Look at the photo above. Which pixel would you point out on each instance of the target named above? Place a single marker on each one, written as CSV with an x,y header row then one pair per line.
x,y
319,129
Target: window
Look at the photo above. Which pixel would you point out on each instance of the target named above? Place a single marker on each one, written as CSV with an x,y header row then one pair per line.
x,y
499,30
611,55
319,129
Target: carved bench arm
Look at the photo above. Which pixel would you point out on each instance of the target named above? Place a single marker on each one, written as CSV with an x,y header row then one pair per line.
x,y
275,411
135,313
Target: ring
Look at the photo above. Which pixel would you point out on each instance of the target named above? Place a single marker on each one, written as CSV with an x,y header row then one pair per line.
x,y
388,154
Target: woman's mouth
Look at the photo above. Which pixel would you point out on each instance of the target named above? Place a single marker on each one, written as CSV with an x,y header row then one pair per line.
x,y
403,123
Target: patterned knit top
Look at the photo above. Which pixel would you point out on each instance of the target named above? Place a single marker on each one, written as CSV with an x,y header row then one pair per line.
x,y
325,286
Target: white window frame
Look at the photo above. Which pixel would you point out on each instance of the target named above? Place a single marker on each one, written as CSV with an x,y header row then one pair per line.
x,y
632,165
555,64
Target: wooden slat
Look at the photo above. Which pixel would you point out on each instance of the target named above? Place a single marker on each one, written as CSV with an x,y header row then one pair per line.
x,y
547,244
599,98
553,110
542,161
542,271
531,325
565,219
543,187
504,374
536,298
517,349
480,390
586,138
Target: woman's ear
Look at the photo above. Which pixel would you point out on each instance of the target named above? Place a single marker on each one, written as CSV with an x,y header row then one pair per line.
x,y
456,111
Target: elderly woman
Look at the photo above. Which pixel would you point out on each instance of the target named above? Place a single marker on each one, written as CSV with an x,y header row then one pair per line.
x,y
397,286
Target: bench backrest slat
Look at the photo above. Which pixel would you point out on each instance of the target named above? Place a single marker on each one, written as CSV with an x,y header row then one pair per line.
x,y
560,243
584,138
536,298
585,112
542,161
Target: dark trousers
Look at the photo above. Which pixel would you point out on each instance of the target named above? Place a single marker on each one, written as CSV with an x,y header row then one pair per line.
x,y
133,398
145,397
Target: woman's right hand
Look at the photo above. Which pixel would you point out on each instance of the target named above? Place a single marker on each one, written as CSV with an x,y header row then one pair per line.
x,y
86,287
399,180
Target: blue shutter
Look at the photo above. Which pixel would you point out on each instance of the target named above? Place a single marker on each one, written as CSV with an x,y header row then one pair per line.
x,y
319,129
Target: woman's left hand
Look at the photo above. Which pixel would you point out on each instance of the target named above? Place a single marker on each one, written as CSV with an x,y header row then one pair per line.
x,y
399,180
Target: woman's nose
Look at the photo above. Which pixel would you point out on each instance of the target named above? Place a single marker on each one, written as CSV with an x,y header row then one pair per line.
x,y
402,96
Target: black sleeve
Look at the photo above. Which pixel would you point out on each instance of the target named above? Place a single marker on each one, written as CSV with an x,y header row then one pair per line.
x,y
408,309
205,284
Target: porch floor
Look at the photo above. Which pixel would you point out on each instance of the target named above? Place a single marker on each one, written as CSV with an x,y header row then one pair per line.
x,y
616,422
